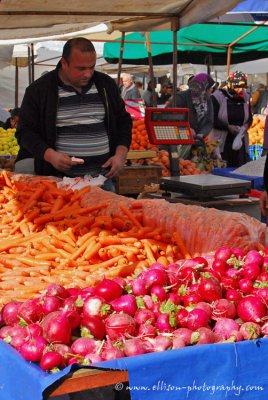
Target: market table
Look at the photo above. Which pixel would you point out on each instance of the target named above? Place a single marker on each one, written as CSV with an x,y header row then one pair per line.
x,y
216,371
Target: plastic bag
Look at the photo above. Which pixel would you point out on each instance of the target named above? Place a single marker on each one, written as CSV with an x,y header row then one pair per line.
x,y
238,141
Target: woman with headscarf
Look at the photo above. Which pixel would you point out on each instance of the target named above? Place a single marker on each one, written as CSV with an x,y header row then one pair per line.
x,y
232,118
197,99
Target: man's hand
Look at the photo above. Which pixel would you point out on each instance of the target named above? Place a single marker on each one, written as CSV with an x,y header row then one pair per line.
x,y
264,203
62,162
116,162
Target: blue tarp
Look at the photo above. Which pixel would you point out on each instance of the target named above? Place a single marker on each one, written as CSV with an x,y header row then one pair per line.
x,y
219,371
257,8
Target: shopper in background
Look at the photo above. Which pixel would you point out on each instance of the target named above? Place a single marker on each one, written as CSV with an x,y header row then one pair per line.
x,y
232,118
74,112
197,99
13,120
259,99
148,95
139,85
129,90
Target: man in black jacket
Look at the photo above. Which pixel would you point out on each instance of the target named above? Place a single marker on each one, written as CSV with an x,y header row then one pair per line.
x,y
73,120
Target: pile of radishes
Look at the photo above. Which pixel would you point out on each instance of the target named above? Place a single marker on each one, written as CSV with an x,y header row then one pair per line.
x,y
198,301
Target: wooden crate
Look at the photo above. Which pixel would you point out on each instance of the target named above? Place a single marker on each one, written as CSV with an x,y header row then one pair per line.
x,y
132,179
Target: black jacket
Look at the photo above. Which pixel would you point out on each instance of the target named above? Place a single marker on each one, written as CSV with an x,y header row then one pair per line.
x,y
37,128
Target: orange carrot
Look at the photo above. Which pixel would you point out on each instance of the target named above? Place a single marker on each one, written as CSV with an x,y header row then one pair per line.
x,y
130,215
178,240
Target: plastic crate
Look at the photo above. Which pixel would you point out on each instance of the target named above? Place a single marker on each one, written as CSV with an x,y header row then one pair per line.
x,y
255,151
256,181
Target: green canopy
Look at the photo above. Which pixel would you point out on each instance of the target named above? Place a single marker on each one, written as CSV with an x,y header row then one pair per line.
x,y
248,41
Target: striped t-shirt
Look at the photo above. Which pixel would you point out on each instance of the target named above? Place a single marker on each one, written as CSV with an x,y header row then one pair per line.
x,y
80,128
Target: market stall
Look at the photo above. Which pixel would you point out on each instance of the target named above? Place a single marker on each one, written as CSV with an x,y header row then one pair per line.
x,y
151,218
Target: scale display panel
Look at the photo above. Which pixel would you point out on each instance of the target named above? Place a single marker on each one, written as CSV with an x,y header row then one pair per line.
x,y
168,125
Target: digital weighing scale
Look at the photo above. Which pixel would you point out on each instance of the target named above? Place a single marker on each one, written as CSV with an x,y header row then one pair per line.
x,y
170,126
205,186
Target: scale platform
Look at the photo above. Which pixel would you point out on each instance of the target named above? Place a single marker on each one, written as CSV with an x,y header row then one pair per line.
x,y
205,186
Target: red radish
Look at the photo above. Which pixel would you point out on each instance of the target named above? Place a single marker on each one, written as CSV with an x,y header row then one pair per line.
x,y
246,285
203,335
251,309
34,330
96,306
177,343
139,287
228,282
174,298
4,331
202,305
133,347
223,308
92,358
83,346
165,323
10,312
147,330
57,290
32,349
233,295
51,360
56,328
264,329
197,318
236,336
125,303
181,317
219,266
234,273
50,304
17,335
250,330
183,333
253,257
148,301
223,253
73,292
111,353
86,292
31,311
158,293
92,326
108,289
155,277
201,262
118,325
62,349
144,316
159,343
224,328
157,265
238,253
251,271
263,277
156,309
191,299
210,290
262,293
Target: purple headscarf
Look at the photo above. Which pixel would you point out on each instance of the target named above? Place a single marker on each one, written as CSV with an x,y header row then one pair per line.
x,y
198,85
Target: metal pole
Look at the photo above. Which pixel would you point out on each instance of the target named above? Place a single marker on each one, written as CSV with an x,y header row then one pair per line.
x,y
120,58
151,69
32,60
29,66
16,83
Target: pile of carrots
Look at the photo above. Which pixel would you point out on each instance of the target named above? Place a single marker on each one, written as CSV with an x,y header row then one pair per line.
x,y
48,236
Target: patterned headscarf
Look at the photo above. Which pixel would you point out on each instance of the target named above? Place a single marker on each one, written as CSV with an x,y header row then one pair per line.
x,y
236,80
198,85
